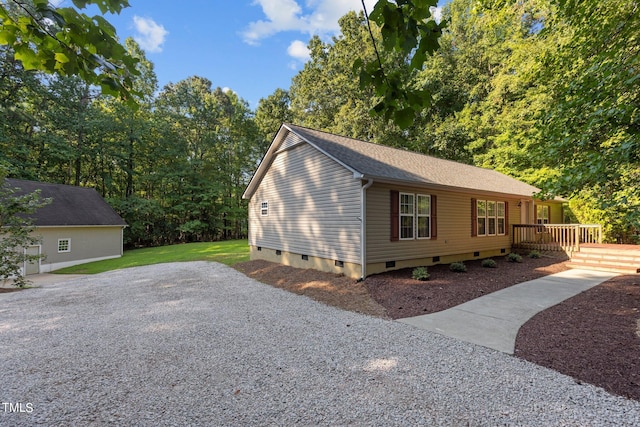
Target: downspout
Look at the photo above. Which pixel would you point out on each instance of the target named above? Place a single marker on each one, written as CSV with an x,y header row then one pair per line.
x,y
363,228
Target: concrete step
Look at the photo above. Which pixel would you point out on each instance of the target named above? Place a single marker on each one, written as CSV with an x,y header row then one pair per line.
x,y
604,267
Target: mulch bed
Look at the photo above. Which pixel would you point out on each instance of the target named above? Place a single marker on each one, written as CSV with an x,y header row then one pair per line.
x,y
593,337
403,296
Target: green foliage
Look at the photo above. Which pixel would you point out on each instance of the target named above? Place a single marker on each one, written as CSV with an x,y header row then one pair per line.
x,y
488,263
534,255
591,125
458,267
63,41
420,273
229,252
17,230
514,257
407,32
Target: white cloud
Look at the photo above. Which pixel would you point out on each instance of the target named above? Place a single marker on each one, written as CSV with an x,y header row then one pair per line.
x,y
287,15
298,50
436,12
150,35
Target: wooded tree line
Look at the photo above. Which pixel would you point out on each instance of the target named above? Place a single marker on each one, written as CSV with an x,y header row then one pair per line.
x,y
174,168
543,90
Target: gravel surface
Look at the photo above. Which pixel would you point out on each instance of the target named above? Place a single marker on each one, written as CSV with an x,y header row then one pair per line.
x,y
201,344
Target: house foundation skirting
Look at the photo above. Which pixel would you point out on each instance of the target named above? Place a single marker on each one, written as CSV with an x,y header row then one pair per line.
x,y
306,261
391,264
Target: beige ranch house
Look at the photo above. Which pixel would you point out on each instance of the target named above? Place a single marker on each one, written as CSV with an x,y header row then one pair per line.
x,y
77,227
341,205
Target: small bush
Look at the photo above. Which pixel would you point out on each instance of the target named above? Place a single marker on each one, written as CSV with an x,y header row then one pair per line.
x,y
458,267
489,263
513,257
534,254
420,273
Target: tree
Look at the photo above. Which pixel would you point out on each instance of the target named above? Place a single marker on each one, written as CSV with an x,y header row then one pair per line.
x,y
67,43
272,111
406,30
16,230
591,127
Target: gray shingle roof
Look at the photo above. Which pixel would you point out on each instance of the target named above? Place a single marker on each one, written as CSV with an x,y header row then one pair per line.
x,y
395,165
70,205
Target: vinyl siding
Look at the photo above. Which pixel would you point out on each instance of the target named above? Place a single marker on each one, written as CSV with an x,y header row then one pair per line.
x,y
314,207
454,227
87,243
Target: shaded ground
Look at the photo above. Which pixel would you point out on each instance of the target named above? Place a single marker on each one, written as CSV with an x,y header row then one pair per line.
x,y
593,337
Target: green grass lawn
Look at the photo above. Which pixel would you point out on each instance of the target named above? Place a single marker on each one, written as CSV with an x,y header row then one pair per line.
x,y
228,252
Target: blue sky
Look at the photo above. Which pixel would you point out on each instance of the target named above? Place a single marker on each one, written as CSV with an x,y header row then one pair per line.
x,y
252,47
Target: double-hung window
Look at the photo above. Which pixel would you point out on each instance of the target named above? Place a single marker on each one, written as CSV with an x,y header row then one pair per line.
x,y
264,208
407,215
415,216
490,218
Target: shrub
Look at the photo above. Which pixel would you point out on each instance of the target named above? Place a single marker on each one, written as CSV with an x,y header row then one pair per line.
x,y
534,254
489,263
513,257
420,273
458,267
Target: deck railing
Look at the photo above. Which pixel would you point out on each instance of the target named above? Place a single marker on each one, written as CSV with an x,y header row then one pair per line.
x,y
555,237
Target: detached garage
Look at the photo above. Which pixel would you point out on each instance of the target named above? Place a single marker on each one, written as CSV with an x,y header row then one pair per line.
x,y
77,227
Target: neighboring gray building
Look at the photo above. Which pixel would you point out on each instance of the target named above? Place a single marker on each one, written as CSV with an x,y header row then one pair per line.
x,y
77,227
341,205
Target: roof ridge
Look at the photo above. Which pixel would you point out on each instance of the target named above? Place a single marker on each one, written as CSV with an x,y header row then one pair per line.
x,y
402,150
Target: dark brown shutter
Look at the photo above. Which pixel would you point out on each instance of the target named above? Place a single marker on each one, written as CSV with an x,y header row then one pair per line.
x,y
434,217
395,215
474,217
535,214
506,217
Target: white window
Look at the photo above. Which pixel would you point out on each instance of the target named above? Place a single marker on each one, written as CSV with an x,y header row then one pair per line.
x,y
264,208
491,218
501,218
407,210
424,216
415,216
64,245
482,217
543,214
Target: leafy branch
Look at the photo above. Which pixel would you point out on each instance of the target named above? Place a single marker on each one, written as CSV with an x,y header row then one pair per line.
x,y
407,29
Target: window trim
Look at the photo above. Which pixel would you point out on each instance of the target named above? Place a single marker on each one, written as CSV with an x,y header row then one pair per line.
x,y
486,218
415,216
68,245
412,215
264,208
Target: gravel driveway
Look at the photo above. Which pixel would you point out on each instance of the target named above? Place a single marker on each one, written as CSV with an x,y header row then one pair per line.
x,y
200,344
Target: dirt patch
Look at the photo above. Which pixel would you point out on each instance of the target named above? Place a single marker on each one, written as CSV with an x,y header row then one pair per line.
x,y
7,290
591,337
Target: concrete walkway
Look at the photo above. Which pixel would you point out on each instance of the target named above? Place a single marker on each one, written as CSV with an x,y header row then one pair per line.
x,y
494,320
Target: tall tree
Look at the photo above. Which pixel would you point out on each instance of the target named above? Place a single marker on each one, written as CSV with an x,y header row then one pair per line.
x,y
592,126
